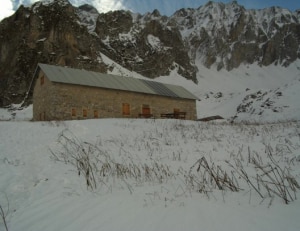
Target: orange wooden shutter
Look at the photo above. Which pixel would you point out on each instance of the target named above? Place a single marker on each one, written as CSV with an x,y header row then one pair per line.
x,y
84,113
146,110
73,112
126,109
96,115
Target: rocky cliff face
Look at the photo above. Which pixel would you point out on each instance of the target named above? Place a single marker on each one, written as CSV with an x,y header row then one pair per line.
x,y
215,35
144,44
226,35
46,34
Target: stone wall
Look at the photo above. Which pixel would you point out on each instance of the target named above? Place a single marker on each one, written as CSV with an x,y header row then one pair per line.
x,y
42,98
57,101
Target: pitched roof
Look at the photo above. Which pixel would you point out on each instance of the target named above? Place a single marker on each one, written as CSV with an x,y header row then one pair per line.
x,y
94,79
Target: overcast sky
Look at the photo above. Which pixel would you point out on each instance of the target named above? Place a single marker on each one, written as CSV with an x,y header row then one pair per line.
x,y
166,7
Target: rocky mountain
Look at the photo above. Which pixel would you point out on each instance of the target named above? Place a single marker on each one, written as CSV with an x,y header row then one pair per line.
x,y
226,35
216,35
280,104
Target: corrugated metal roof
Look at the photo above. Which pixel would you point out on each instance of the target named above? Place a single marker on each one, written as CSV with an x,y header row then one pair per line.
x,y
94,79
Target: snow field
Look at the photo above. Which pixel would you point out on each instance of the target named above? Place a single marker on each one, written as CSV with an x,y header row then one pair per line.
x,y
45,193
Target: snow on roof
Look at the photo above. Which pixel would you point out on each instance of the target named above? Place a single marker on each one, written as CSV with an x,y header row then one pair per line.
x,y
102,80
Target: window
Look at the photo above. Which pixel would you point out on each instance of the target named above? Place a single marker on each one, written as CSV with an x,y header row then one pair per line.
x,y
146,109
126,109
73,112
42,79
96,114
84,113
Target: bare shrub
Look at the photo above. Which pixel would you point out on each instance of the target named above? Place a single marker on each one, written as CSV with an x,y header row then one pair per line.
x,y
264,167
205,177
276,180
98,167
79,155
4,213
270,180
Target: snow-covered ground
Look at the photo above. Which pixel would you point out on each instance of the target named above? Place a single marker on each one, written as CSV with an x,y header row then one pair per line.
x,y
46,193
247,80
160,174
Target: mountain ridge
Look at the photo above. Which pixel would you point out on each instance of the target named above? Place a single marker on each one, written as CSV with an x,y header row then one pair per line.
x,y
216,35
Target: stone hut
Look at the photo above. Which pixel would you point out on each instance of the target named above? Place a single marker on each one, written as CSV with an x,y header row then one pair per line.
x,y
62,93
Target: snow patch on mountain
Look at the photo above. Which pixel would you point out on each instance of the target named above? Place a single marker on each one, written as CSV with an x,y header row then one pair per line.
x,y
280,104
155,43
88,17
49,2
117,69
